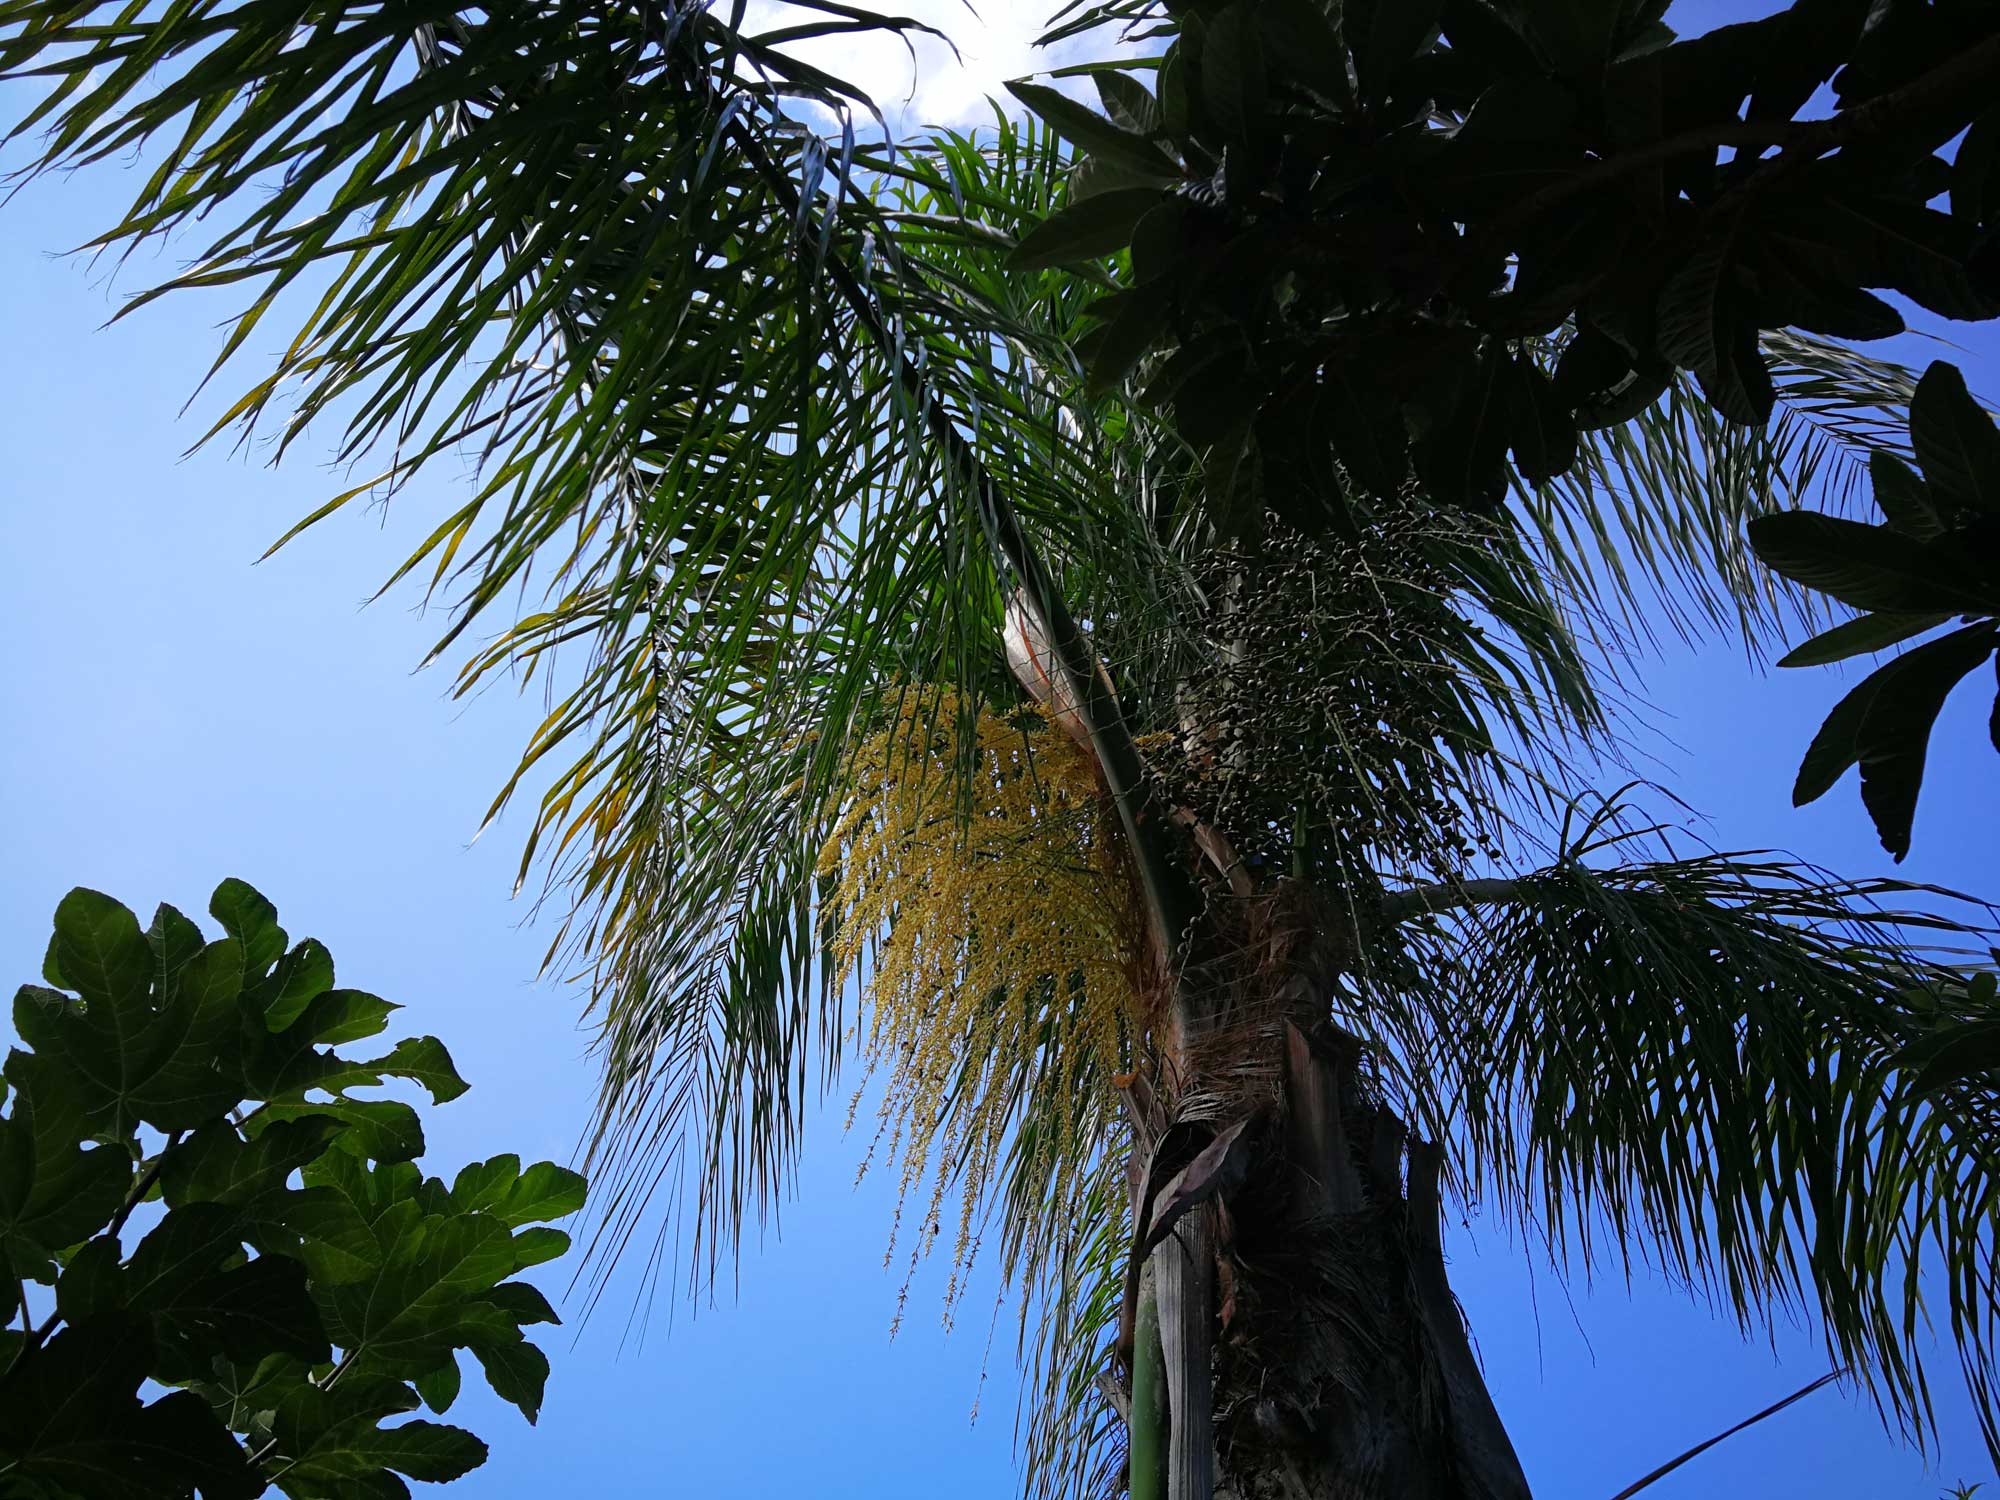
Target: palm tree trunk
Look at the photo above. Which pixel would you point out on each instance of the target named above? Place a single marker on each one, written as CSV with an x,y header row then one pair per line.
x,y
1305,1314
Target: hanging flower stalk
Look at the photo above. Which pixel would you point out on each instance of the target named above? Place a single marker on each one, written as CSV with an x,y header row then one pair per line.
x,y
994,938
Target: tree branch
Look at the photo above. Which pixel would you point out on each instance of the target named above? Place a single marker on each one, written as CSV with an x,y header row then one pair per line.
x,y
143,1186
1450,895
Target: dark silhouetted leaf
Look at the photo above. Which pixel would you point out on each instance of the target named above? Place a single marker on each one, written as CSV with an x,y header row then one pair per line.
x,y
517,1371
1957,443
1232,72
252,921
1706,326
303,976
1092,132
54,1192
217,1165
1461,459
1542,431
440,1387
1894,735
1855,637
1868,567
1959,1053
534,1246
1127,102
71,1417
1975,172
1902,497
1301,42
1385,35
1834,748
1099,225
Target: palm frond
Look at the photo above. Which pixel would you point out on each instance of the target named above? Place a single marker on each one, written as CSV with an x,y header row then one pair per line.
x,y
1649,524
526,233
1707,1060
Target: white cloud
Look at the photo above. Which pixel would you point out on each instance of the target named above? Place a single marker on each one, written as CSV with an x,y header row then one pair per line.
x,y
924,83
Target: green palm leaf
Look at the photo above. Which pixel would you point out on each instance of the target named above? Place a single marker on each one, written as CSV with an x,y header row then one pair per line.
x,y
1715,1062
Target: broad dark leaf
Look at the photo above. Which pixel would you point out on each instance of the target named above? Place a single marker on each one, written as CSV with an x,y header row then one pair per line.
x,y
330,1439
1957,443
71,1416
246,916
302,977
1384,35
1894,735
1835,747
92,1284
1902,497
54,1191
421,1059
517,1371
1875,632
1543,433
383,1129
1461,459
534,1246
1301,40
499,1187
1957,1053
1134,332
1096,226
1232,72
418,1306
1975,172
1707,326
440,1387
136,1052
523,1302
217,1165
1917,251
1127,102
1092,132
1869,567
231,1294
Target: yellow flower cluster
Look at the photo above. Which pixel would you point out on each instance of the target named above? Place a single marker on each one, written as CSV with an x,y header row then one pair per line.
x,y
990,925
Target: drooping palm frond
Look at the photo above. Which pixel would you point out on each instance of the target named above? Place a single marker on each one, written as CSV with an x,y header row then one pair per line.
x,y
541,233
1070,1432
1649,524
1708,1062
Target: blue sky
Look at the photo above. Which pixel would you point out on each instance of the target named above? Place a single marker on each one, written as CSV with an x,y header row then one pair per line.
x,y
177,714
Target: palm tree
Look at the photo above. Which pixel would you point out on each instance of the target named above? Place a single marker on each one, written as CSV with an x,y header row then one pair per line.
x,y
1225,901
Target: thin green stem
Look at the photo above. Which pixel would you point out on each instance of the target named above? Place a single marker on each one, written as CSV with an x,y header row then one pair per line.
x,y
29,1338
143,1186
1147,1431
263,1453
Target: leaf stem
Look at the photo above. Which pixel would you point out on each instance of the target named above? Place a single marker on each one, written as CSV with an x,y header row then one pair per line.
x,y
143,1186
1449,895
1701,1448
346,1363
29,1338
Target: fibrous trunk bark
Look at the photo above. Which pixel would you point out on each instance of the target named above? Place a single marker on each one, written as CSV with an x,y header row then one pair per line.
x,y
1311,1345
